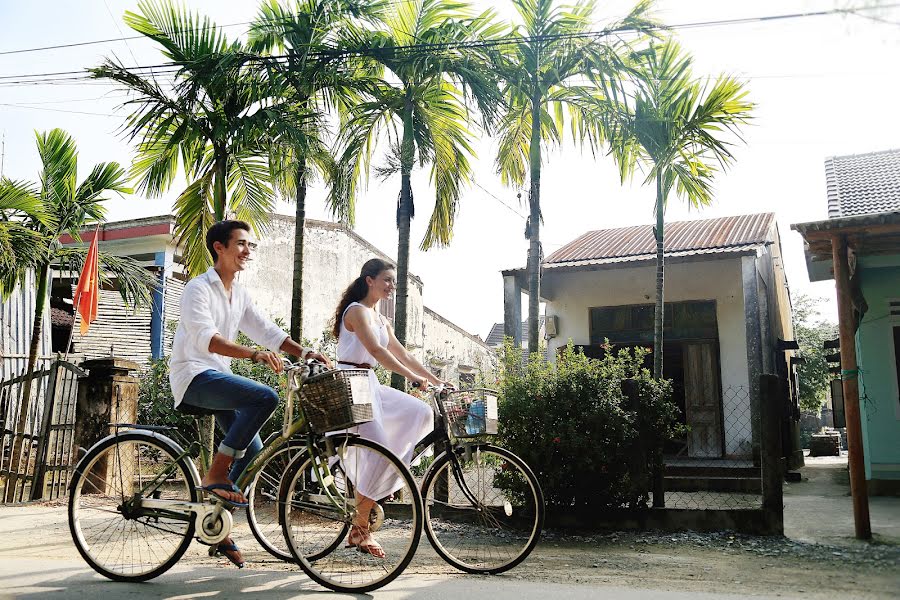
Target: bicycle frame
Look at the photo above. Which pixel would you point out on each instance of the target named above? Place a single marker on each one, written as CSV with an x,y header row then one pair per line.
x,y
440,438
143,504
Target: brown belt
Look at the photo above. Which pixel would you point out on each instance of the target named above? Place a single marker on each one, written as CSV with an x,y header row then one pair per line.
x,y
357,365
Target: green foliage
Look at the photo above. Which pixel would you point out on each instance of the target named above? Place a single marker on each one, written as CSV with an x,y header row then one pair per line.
x,y
811,331
572,424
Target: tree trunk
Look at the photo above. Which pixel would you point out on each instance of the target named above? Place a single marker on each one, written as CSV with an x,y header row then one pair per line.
x,y
660,272
404,216
40,302
221,173
534,246
297,284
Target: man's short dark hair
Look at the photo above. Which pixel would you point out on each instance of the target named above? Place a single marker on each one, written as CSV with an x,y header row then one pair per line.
x,y
221,232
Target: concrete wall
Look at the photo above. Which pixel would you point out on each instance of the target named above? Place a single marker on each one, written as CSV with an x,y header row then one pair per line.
x,y
332,257
880,411
451,351
571,295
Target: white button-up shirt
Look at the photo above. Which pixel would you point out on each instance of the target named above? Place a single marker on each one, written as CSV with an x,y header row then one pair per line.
x,y
206,311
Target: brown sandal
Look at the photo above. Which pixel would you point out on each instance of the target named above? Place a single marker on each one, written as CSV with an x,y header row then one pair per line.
x,y
361,539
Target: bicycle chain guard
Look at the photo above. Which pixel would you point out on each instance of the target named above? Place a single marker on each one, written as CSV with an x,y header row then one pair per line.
x,y
214,524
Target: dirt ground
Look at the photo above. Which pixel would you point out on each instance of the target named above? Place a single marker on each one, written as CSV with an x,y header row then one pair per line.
x,y
818,559
719,562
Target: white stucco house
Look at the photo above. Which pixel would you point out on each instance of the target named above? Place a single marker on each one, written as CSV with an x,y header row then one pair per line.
x,y
332,259
727,315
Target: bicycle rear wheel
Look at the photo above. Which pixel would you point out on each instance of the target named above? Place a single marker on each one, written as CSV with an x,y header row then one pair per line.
x,y
113,533
484,509
315,527
262,494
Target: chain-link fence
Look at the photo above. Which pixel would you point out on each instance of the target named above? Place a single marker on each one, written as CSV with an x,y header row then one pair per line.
x,y
717,464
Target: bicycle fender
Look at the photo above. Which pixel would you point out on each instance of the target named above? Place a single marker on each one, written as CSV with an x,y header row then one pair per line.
x,y
143,433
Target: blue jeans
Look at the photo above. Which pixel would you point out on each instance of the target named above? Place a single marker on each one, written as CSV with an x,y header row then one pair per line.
x,y
241,408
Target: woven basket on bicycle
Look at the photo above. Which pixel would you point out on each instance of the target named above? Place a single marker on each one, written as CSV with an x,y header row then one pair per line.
x,y
337,399
471,413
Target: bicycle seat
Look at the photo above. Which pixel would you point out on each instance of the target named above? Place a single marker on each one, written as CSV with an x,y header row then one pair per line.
x,y
197,411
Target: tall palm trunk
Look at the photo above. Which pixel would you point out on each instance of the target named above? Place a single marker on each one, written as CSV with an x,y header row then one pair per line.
x,y
299,231
208,426
660,272
40,302
534,247
404,216
219,193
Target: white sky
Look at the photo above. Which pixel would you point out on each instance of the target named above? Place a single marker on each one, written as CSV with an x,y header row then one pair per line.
x,y
824,86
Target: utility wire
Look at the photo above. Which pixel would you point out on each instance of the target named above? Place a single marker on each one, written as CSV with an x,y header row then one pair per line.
x,y
722,22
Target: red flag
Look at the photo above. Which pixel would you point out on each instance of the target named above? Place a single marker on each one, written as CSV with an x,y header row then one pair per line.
x,y
88,291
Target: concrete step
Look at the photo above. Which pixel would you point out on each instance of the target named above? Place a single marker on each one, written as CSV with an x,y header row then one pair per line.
x,y
712,471
742,485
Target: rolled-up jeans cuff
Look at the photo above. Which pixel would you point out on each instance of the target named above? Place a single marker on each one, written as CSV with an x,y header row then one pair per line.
x,y
229,451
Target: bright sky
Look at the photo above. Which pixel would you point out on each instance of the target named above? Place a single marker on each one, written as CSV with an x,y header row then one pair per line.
x,y
824,85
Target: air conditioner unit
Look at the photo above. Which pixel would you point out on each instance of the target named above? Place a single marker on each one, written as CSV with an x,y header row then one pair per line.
x,y
551,326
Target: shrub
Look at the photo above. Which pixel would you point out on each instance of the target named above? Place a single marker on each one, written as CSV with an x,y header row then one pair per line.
x,y
571,422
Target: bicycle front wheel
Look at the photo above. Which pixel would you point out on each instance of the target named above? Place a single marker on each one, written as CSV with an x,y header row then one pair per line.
x,y
117,537
484,509
316,515
262,495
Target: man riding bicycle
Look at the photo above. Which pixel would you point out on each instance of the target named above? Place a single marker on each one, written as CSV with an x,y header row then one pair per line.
x,y
214,307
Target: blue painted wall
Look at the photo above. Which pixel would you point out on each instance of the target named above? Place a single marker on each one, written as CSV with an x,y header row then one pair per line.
x,y
879,394
156,322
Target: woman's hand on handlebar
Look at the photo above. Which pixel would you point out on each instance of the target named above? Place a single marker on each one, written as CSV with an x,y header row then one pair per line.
x,y
319,358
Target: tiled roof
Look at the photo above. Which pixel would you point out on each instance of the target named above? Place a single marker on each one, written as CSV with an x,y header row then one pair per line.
x,y
495,337
682,238
863,184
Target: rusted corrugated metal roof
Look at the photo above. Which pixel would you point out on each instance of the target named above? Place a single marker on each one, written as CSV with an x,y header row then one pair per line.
x,y
682,237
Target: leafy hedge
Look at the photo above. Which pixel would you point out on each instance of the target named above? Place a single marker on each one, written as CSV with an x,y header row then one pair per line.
x,y
572,423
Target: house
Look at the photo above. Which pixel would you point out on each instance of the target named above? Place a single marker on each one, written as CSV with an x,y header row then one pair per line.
x,y
861,237
332,258
727,317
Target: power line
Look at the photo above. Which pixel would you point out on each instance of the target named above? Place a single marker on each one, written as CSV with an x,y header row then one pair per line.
x,y
718,23
76,112
485,190
110,40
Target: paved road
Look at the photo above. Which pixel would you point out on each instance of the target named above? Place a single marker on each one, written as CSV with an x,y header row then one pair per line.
x,y
42,579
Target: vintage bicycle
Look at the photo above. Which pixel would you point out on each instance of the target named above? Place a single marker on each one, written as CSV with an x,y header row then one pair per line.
x,y
135,501
484,508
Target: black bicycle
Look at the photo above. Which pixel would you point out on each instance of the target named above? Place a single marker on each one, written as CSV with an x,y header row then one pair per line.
x,y
484,508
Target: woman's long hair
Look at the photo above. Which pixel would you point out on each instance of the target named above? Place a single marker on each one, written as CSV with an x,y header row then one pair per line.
x,y
358,289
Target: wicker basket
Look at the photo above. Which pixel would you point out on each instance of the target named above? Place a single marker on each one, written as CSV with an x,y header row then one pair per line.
x,y
337,399
471,413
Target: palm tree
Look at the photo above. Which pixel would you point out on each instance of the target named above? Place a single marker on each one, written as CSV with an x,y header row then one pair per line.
x,y
298,32
21,248
551,76
425,99
215,122
73,206
674,124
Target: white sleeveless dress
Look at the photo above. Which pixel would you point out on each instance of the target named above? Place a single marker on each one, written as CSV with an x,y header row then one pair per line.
x,y
399,420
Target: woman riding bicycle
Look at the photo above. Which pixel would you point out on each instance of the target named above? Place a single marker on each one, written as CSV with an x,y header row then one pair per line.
x,y
400,420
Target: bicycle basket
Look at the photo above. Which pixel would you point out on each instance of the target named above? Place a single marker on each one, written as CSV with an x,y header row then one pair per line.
x,y
471,412
337,399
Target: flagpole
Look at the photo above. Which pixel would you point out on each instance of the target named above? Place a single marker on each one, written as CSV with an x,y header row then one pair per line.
x,y
77,298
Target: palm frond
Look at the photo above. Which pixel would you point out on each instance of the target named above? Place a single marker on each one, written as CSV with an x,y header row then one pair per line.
x,y
193,218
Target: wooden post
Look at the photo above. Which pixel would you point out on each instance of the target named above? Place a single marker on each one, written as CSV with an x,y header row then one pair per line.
x,y
851,389
770,404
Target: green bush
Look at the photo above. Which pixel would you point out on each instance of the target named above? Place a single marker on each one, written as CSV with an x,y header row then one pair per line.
x,y
572,424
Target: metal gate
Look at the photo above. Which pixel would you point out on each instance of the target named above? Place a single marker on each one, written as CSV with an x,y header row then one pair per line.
x,y
37,434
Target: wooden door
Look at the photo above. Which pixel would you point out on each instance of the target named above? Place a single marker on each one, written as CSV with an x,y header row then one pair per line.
x,y
702,400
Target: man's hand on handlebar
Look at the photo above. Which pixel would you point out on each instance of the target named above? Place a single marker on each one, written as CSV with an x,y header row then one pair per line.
x,y
268,358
